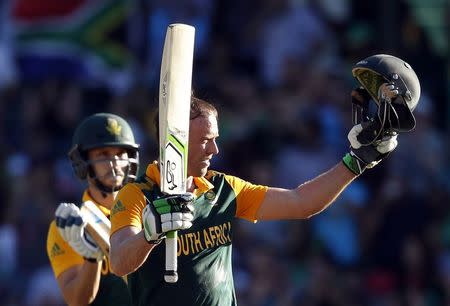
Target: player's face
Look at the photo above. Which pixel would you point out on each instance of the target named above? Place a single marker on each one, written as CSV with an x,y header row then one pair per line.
x,y
109,164
203,132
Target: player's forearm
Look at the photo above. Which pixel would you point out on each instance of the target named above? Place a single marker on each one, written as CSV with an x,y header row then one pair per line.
x,y
317,194
307,199
80,286
128,254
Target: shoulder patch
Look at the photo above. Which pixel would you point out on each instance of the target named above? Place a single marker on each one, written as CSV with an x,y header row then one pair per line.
x,y
117,208
56,250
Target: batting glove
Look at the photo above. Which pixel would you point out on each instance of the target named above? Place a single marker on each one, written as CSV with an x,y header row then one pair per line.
x,y
168,213
71,226
362,157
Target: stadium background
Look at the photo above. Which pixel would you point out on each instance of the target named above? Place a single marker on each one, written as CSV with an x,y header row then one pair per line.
x,y
280,73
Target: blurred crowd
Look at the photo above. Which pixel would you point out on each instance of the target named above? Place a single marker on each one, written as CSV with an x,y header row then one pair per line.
x,y
279,72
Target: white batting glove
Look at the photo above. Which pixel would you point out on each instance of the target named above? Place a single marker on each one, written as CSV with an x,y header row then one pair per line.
x,y
71,226
169,213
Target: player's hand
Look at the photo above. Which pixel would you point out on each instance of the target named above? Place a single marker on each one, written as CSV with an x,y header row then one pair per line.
x,y
370,141
367,156
168,213
387,92
71,226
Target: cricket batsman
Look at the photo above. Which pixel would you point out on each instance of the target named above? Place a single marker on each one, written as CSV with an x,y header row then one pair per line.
x,y
105,154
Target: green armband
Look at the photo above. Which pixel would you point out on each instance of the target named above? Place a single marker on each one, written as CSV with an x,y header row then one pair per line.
x,y
353,163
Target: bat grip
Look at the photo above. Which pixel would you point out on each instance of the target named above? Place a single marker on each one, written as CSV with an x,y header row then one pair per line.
x,y
171,275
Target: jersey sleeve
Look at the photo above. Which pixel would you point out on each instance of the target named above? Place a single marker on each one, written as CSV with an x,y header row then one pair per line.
x,y
248,197
127,208
61,255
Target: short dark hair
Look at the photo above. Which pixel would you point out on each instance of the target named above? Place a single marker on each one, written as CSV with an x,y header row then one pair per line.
x,y
199,108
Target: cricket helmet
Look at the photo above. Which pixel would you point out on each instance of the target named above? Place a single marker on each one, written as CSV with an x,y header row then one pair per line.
x,y
378,69
103,130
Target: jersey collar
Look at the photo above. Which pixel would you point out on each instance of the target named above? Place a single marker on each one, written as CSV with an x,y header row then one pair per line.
x,y
87,197
201,183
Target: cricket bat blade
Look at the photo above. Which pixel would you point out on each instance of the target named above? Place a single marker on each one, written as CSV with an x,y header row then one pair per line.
x,y
98,225
174,109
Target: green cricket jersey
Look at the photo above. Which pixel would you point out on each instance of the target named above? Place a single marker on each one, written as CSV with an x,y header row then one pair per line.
x,y
204,250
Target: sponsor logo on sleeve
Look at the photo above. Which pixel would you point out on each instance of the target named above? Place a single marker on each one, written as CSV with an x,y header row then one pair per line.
x,y
118,207
56,250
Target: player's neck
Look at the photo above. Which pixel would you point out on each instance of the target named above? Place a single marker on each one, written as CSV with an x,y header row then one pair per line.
x,y
104,199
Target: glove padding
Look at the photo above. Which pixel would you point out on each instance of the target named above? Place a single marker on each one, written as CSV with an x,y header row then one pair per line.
x,y
362,157
71,226
168,213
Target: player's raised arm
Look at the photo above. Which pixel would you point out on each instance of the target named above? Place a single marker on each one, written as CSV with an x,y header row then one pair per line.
x,y
317,194
80,282
307,199
393,86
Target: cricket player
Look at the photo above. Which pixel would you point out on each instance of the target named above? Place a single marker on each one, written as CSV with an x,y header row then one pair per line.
x,y
204,216
105,154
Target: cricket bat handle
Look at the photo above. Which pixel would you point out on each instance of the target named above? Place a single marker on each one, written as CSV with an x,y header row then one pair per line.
x,y
171,275
102,243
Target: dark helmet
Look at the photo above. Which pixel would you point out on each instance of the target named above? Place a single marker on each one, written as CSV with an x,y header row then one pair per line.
x,y
377,69
103,130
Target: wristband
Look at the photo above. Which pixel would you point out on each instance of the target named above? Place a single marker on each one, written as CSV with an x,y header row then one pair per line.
x,y
154,242
353,163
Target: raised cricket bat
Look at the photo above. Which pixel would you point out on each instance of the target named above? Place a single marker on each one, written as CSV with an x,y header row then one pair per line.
x,y
174,108
98,225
